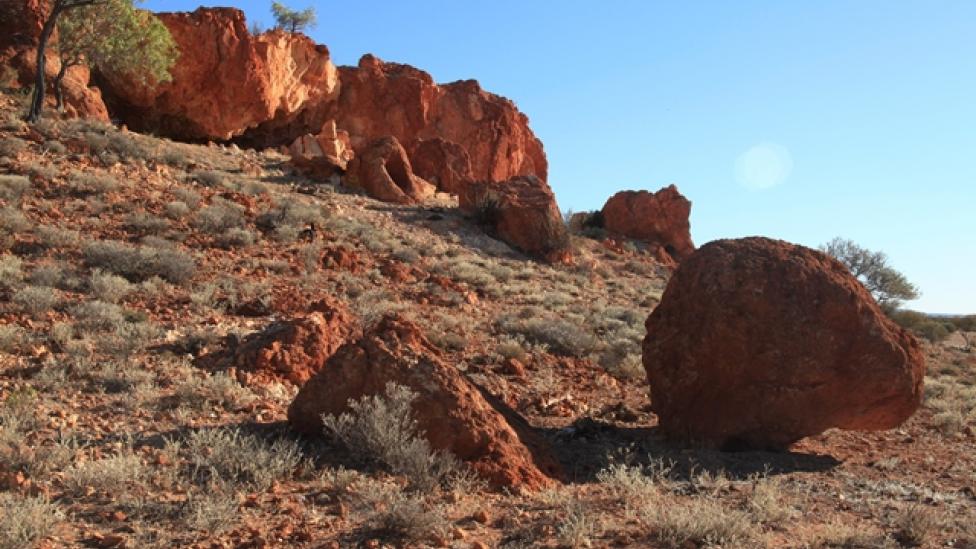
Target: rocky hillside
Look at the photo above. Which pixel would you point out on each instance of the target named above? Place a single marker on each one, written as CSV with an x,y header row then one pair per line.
x,y
345,311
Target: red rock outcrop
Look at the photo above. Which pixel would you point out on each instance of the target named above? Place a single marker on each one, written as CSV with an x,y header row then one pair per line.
x,y
758,343
323,154
383,170
474,127
20,30
269,88
444,163
521,211
451,411
296,349
660,219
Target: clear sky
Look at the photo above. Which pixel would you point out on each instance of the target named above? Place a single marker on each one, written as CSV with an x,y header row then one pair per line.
x,y
794,120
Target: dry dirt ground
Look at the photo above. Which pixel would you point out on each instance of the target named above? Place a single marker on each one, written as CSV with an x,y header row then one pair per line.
x,y
124,258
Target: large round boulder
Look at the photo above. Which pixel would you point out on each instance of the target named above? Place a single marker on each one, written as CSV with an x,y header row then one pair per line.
x,y
758,343
452,412
523,212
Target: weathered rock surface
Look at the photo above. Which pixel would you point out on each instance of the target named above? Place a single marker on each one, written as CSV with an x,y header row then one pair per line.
x,y
298,348
323,154
269,88
474,127
453,413
660,219
758,343
523,212
443,163
383,170
20,30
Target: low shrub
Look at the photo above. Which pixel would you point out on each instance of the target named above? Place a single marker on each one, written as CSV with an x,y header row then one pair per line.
x,y
10,147
562,337
12,187
140,263
228,455
381,429
26,521
35,300
220,216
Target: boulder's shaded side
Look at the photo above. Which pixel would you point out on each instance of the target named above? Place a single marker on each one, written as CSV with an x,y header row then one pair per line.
x,y
474,127
269,88
445,164
383,170
523,212
758,343
660,219
449,409
20,30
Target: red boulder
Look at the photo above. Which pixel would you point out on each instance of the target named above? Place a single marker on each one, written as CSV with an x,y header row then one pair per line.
x,y
383,170
758,343
523,212
451,411
660,219
296,349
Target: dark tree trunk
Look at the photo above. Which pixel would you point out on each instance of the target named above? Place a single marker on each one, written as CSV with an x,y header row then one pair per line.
x,y
58,91
37,102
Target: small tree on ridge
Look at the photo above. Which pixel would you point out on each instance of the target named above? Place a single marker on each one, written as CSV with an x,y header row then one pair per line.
x,y
292,20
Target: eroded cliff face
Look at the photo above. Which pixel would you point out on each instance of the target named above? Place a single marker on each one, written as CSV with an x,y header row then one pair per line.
x,y
228,84
270,89
471,127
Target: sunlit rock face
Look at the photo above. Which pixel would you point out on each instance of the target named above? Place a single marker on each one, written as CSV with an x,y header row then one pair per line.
x,y
265,89
472,134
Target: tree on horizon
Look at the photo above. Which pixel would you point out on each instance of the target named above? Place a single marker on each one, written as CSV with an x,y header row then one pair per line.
x,y
292,20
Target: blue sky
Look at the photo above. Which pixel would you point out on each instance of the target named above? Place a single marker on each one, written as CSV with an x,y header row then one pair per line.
x,y
800,121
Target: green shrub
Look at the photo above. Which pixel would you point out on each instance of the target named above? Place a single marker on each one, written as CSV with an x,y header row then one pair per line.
x,y
10,271
235,238
209,178
35,300
219,217
561,336
177,209
13,221
228,455
83,184
10,147
107,475
12,338
140,263
144,223
25,521
381,428
108,287
12,187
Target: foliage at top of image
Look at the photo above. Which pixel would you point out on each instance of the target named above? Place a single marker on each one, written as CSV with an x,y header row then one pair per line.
x,y
888,286
110,34
293,20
